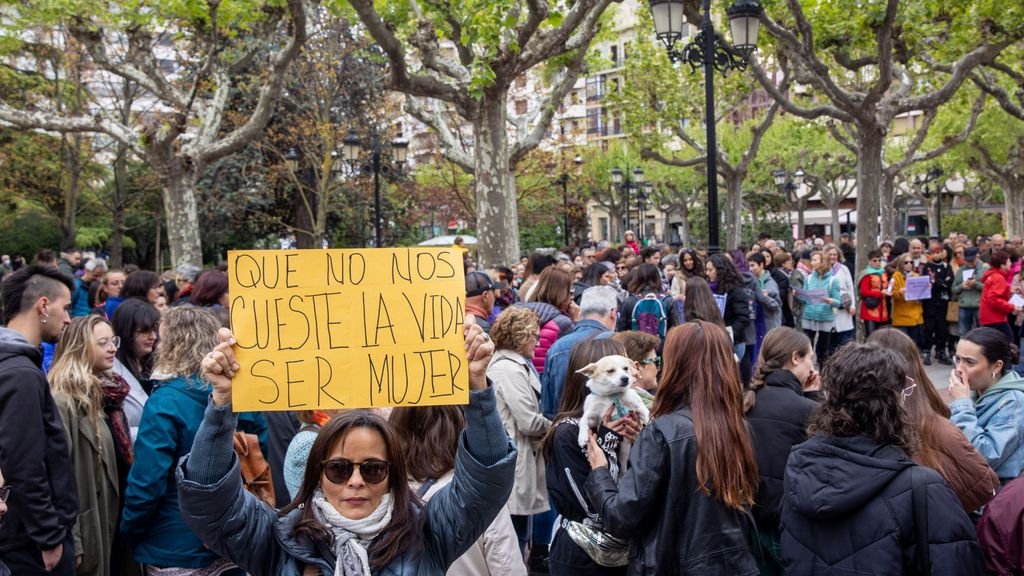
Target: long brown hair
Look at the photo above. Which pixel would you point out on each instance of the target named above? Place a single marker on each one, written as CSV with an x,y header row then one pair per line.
x,y
777,349
403,535
924,406
700,372
575,390
554,287
699,302
430,438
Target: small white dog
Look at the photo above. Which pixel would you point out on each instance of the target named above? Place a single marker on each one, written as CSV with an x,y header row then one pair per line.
x,y
610,382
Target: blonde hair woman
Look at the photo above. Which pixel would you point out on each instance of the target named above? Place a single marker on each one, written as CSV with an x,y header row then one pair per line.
x,y
170,419
89,395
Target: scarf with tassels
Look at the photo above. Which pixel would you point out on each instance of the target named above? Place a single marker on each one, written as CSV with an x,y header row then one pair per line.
x,y
115,390
352,537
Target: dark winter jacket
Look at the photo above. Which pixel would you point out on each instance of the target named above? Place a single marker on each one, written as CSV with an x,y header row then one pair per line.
x,y
778,421
625,317
942,284
239,527
35,456
738,312
782,280
673,527
847,508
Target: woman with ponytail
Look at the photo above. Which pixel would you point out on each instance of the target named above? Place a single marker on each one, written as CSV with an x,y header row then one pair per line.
x,y
692,473
779,403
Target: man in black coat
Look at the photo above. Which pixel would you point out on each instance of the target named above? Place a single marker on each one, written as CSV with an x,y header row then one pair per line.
x,y
36,534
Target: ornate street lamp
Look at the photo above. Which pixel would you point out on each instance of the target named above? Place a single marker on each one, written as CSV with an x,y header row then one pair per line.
x,y
710,52
931,176
381,161
627,184
564,181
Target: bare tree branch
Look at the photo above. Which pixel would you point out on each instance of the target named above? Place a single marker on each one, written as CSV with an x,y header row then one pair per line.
x,y
960,71
788,105
270,93
990,86
648,154
451,148
548,106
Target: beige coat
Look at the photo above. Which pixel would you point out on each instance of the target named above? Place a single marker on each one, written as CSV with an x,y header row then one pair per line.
x,y
517,388
496,553
92,454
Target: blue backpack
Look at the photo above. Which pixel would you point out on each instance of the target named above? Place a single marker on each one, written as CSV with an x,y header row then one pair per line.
x,y
650,315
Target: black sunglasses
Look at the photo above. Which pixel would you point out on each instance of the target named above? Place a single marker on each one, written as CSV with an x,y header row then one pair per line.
x,y
340,470
5,491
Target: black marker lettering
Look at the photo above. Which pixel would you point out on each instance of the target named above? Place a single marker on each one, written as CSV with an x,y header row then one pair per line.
x,y
277,389
323,383
289,381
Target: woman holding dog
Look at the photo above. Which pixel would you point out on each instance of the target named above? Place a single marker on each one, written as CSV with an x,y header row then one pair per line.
x,y
692,470
517,388
567,466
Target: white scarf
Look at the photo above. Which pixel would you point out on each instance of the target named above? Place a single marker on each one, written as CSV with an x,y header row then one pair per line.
x,y
352,537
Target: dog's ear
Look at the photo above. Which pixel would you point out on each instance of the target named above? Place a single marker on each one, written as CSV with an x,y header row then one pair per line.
x,y
588,370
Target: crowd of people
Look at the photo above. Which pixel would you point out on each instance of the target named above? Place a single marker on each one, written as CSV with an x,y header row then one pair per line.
x,y
777,440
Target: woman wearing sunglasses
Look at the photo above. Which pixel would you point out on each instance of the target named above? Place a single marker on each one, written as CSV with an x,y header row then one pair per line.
x,y
943,447
89,396
848,492
355,512
988,399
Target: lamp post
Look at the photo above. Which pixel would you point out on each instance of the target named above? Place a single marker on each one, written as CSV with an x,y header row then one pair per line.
x,y
709,51
627,184
789,183
641,207
381,161
564,181
931,176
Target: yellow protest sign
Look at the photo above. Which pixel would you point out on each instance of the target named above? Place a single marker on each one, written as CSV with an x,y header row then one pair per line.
x,y
358,328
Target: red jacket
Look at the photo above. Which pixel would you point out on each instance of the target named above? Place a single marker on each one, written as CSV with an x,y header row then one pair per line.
x,y
873,286
995,297
1001,530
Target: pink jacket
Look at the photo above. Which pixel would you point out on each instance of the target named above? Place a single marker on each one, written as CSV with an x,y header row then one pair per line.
x,y
553,324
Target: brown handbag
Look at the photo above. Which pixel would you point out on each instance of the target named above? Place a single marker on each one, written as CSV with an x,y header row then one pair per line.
x,y
255,470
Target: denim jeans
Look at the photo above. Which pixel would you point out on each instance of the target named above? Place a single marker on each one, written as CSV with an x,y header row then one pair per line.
x,y
968,320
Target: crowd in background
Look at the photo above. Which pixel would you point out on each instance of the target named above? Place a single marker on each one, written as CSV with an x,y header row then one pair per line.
x,y
777,441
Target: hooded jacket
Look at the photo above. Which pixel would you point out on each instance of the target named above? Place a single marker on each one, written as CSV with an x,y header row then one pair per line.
x,y
995,297
847,508
34,453
778,421
994,424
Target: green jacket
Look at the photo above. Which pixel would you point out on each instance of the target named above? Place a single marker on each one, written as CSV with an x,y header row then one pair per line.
x,y
969,297
92,453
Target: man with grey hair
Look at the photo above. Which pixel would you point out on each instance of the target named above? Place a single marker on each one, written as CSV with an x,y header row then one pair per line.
x,y
599,309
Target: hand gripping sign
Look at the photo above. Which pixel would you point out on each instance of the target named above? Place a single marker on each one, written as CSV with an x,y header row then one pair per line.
x,y
361,328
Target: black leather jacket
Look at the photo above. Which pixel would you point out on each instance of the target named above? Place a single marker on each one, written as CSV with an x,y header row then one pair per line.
x,y
674,528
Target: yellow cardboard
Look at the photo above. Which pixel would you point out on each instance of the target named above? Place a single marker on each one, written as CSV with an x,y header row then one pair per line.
x,y
362,328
